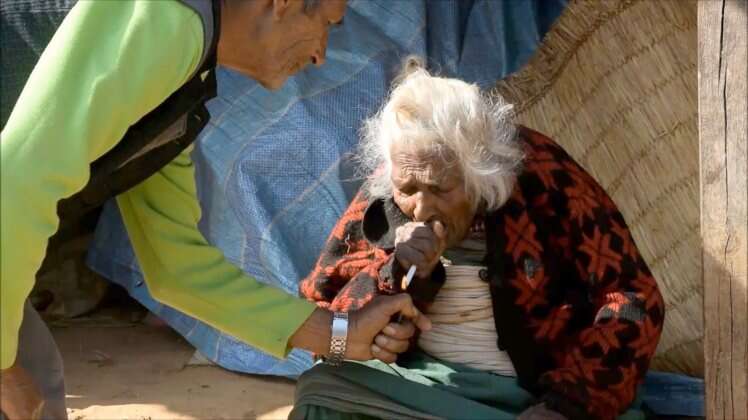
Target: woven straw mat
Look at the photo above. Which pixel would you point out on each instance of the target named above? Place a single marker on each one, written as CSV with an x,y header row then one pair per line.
x,y
615,83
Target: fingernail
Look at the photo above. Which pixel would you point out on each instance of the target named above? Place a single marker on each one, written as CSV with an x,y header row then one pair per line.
x,y
375,348
389,330
381,340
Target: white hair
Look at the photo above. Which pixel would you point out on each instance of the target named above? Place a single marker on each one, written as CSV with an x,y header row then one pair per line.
x,y
448,118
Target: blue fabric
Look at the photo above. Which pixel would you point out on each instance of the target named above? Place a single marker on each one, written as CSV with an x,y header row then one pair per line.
x,y
669,394
273,172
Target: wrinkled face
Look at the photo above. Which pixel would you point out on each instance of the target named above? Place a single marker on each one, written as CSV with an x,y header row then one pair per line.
x,y
286,36
426,189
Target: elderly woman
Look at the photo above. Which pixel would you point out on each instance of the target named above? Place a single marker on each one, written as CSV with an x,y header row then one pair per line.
x,y
541,305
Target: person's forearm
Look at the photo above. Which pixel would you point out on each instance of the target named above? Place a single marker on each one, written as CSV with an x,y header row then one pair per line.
x,y
183,270
314,334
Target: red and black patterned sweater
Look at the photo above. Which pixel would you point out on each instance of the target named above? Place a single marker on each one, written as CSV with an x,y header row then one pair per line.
x,y
575,305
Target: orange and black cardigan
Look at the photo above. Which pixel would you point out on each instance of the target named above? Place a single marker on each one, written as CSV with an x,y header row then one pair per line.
x,y
575,305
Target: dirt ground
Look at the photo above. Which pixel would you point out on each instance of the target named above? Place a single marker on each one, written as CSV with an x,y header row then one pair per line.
x,y
138,372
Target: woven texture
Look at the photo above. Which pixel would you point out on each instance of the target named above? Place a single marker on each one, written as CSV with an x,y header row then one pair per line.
x,y
615,83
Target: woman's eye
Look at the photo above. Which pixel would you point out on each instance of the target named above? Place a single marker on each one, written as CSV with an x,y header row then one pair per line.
x,y
435,189
406,192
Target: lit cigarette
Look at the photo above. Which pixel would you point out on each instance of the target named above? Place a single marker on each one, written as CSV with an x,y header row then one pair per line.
x,y
404,286
408,278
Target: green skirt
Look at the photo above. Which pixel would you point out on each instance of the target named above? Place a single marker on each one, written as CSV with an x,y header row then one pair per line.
x,y
417,387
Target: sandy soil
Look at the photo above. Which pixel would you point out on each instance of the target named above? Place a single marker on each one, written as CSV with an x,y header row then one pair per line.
x,y
139,372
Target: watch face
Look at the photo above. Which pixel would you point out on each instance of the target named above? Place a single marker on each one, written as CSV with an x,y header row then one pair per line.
x,y
339,326
338,338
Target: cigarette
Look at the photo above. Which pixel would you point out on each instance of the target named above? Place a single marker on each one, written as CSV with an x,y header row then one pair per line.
x,y
408,278
404,286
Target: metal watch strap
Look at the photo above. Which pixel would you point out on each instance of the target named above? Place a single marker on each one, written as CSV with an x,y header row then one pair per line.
x,y
338,338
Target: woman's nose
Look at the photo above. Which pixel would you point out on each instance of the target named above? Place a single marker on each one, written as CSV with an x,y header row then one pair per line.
x,y
424,207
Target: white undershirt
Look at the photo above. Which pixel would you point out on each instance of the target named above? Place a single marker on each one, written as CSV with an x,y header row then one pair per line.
x,y
463,324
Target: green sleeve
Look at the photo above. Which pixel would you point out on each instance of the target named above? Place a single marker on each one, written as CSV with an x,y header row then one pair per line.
x,y
183,271
109,63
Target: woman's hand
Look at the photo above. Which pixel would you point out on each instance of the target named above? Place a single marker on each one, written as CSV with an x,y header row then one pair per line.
x,y
420,244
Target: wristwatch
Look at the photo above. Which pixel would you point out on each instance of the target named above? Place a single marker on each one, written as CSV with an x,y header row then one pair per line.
x,y
338,339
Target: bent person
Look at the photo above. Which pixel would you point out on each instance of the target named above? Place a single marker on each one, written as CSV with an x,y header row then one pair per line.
x,y
541,305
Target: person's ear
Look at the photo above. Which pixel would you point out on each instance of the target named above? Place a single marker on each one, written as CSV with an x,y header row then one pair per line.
x,y
279,9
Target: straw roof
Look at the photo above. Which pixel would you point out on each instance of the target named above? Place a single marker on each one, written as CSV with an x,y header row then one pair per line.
x,y
615,83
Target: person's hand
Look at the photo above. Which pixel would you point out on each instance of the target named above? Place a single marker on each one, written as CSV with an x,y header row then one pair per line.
x,y
372,335
19,395
420,244
540,412
370,332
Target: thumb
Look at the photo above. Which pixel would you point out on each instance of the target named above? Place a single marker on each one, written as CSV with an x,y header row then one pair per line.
x,y
402,303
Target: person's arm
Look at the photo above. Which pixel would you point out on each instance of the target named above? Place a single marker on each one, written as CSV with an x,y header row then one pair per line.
x,y
108,64
346,256
184,271
350,271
